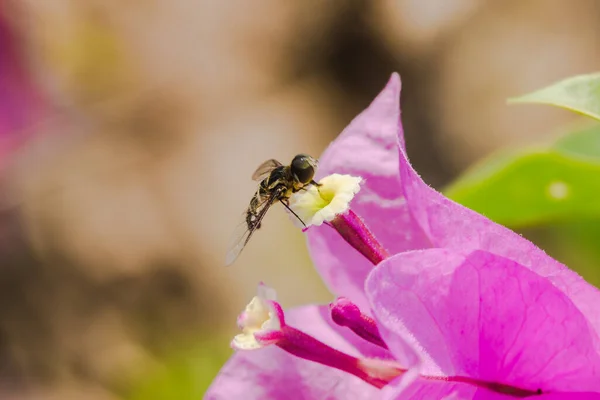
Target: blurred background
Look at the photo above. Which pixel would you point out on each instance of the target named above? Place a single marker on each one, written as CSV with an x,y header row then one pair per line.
x,y
129,131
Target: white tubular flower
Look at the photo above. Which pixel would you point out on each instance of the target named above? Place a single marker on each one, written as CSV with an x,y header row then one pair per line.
x,y
260,322
321,204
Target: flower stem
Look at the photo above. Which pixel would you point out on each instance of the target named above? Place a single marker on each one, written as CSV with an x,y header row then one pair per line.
x,y
354,231
307,347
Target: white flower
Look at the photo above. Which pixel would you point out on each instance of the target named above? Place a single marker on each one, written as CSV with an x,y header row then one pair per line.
x,y
260,322
318,204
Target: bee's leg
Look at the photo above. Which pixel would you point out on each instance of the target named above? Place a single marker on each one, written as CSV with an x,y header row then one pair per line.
x,y
310,183
290,210
317,185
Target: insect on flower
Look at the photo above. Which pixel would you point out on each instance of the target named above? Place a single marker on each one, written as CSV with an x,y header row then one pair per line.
x,y
277,183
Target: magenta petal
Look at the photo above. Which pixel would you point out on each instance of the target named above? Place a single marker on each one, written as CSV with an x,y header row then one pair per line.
x,y
367,148
271,373
448,224
487,317
404,213
426,390
570,396
422,389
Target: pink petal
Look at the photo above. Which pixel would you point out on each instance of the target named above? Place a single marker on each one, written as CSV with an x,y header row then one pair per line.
x,y
428,390
424,390
404,213
448,224
366,148
570,396
271,373
487,317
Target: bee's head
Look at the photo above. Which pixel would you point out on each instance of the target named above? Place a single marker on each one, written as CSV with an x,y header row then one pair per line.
x,y
303,168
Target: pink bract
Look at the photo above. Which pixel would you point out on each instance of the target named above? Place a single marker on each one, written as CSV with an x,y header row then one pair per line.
x,y
479,315
405,213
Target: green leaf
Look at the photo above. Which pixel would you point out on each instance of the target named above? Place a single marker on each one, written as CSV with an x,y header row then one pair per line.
x,y
579,93
584,143
533,187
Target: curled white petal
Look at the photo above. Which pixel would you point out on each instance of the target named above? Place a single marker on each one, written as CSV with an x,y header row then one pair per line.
x,y
322,203
260,316
266,292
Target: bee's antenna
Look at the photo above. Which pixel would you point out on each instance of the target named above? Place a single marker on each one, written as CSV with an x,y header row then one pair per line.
x,y
292,211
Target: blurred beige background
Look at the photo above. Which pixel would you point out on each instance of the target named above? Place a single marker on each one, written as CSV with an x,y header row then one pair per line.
x,y
118,207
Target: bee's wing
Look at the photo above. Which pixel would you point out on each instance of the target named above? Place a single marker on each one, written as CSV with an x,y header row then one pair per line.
x,y
243,232
264,169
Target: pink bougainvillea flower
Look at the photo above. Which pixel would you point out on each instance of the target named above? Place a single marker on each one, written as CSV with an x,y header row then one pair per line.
x,y
439,302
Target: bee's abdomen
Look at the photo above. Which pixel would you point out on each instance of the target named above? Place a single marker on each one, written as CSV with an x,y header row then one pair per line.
x,y
263,191
252,212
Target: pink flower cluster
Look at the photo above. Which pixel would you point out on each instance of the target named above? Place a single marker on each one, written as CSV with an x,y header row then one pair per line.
x,y
455,307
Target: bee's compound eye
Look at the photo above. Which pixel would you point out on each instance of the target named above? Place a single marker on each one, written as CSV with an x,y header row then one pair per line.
x,y
303,167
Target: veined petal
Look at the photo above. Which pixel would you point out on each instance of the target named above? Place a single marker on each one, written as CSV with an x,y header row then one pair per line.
x,y
571,396
486,317
404,213
271,373
427,390
450,225
366,148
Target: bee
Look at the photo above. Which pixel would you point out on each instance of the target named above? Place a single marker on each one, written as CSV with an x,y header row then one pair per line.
x,y
277,183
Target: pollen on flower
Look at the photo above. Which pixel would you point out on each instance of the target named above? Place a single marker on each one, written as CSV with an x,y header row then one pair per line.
x,y
260,322
322,203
